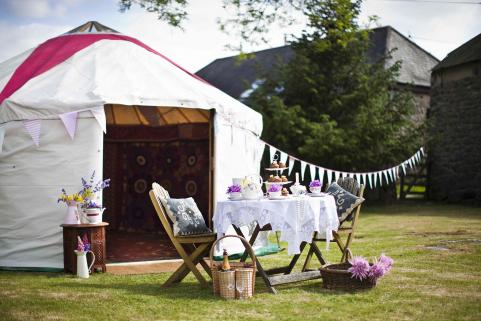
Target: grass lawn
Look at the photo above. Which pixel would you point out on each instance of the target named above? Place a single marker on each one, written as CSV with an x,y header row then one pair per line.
x,y
436,276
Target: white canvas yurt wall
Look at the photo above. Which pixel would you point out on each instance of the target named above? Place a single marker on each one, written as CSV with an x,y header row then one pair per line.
x,y
107,71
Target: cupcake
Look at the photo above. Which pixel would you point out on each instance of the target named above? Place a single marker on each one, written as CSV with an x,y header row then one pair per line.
x,y
274,165
284,192
282,165
284,178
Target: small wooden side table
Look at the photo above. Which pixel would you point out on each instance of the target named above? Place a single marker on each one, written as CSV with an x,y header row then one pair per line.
x,y
96,236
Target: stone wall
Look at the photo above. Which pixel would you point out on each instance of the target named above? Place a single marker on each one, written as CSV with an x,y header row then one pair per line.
x,y
455,149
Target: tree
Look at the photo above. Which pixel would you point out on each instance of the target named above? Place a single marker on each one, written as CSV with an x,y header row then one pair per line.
x,y
331,107
328,105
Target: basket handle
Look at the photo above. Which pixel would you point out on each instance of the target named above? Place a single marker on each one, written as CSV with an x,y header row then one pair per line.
x,y
247,246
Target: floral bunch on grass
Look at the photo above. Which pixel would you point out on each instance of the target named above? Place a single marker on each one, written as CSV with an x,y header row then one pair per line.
x,y
315,183
361,269
234,189
64,197
274,188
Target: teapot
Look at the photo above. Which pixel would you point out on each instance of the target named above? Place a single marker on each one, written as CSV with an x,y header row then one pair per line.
x,y
251,187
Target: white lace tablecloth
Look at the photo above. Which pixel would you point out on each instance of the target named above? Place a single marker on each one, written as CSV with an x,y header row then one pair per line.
x,y
297,218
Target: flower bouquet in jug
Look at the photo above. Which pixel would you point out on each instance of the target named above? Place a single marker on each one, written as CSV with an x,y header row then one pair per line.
x,y
91,208
84,206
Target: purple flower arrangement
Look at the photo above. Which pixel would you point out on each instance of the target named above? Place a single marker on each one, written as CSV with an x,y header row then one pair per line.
x,y
83,244
315,183
361,269
234,189
89,189
274,188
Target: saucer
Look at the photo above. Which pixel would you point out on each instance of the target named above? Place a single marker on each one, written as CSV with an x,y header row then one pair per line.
x,y
235,199
316,194
277,198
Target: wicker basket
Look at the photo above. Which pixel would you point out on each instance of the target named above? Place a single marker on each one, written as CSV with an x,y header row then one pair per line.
x,y
336,277
244,277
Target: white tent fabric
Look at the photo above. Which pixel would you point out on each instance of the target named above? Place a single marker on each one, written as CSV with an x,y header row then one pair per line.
x,y
106,72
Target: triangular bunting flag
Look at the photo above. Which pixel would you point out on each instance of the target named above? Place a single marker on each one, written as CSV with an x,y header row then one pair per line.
x,y
374,179
303,169
2,136
272,152
395,172
259,150
379,174
291,165
33,129
403,165
99,115
422,150
329,176
385,172
283,157
70,122
363,175
336,175
368,175
312,170
321,174
391,177
410,162
358,178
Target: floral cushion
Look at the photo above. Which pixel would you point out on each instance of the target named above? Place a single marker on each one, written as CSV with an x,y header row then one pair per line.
x,y
186,216
345,201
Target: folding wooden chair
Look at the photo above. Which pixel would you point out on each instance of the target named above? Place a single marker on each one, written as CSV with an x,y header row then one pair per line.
x,y
192,248
346,227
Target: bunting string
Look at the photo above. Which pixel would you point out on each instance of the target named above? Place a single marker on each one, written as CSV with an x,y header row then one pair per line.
x,y
369,179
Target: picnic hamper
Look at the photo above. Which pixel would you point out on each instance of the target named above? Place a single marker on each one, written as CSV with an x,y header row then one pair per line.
x,y
337,277
240,280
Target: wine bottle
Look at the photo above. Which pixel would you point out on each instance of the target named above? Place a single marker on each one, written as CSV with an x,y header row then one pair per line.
x,y
225,261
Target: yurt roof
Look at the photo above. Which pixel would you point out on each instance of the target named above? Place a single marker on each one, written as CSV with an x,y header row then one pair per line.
x,y
94,65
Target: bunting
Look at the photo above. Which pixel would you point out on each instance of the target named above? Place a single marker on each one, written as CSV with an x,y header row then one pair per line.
x,y
2,135
371,179
33,129
70,122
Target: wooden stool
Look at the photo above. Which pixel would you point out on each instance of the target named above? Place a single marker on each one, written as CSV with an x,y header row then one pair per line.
x,y
95,234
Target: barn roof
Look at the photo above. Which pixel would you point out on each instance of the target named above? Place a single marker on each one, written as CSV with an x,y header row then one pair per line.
x,y
468,52
234,77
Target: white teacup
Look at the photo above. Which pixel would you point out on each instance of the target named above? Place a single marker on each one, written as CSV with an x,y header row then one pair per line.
x,y
275,194
235,195
315,190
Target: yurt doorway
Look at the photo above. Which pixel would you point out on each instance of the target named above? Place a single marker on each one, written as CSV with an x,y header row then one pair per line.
x,y
171,146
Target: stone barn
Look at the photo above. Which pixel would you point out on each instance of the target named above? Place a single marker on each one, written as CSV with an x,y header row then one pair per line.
x,y
455,131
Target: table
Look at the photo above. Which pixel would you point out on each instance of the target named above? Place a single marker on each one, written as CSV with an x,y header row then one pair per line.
x,y
297,218
95,234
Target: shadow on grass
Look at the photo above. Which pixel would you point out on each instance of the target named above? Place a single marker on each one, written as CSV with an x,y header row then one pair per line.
x,y
184,290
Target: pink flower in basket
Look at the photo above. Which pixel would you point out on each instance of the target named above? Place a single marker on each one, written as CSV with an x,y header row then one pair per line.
x,y
359,268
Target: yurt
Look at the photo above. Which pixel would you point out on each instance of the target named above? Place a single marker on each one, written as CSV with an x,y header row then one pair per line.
x,y
94,99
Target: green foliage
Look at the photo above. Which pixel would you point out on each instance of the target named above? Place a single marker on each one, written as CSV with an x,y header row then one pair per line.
x,y
332,107
171,11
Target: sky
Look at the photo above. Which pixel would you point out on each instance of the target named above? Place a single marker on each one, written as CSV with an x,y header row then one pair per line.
x,y
435,26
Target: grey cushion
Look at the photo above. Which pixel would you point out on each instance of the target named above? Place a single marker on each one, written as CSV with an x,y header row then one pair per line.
x,y
186,216
345,201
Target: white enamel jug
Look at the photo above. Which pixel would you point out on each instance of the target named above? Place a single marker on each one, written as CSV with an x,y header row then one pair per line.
x,y
72,216
83,270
